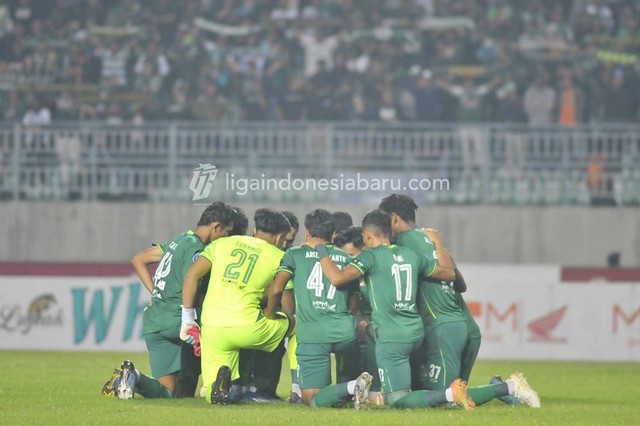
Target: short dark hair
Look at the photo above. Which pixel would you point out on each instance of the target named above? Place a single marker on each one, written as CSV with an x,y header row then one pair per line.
x,y
319,223
217,211
400,204
271,221
240,222
341,220
352,234
379,222
293,220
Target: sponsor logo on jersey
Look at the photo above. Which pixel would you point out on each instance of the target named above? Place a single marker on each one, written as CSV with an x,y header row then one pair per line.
x,y
402,306
324,305
541,328
196,255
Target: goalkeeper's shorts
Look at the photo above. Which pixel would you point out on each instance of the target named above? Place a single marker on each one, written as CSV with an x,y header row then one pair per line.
x,y
221,345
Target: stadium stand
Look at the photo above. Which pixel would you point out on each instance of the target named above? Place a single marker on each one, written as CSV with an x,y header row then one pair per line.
x,y
514,102
543,62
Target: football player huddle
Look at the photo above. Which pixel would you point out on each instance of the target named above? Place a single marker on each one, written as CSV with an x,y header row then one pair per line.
x,y
384,298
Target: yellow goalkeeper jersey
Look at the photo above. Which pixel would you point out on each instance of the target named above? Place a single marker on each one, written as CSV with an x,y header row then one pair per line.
x,y
241,269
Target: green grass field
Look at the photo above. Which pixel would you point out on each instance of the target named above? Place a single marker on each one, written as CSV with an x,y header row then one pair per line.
x,y
64,388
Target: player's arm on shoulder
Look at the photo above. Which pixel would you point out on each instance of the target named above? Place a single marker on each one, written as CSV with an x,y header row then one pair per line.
x,y
199,269
141,261
336,276
274,292
443,268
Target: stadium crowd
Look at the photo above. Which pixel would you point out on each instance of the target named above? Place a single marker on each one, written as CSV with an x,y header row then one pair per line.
x,y
538,61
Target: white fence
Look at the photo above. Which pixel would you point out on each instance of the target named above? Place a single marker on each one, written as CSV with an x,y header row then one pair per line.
x,y
485,164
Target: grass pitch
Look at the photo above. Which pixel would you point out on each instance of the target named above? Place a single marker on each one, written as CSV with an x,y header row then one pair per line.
x,y
64,388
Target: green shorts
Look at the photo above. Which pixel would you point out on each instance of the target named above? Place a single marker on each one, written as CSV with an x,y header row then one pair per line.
x,y
441,355
314,362
165,350
221,345
394,368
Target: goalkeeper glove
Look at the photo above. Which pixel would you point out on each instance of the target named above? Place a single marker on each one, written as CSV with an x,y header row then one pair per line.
x,y
194,333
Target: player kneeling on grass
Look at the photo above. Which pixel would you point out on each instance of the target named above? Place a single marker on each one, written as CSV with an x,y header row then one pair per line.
x,y
240,267
350,241
449,350
325,324
161,321
391,274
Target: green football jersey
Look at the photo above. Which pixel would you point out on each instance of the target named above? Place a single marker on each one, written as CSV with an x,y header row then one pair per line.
x,y
391,274
322,310
437,300
472,325
166,298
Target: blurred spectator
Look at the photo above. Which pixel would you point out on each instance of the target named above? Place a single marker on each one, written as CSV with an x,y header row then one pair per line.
x,y
570,100
211,105
601,12
318,46
155,58
114,61
178,107
293,104
65,108
253,96
36,114
510,111
539,100
621,100
472,138
428,98
388,112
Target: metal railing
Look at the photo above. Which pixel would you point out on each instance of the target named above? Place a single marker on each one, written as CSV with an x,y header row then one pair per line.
x,y
495,164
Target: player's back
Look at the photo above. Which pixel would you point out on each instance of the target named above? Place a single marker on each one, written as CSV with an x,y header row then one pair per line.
x,y
437,300
391,274
322,310
166,297
241,268
472,325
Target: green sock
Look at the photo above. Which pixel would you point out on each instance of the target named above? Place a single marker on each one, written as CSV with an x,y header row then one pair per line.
x,y
421,399
331,395
151,388
371,364
483,394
